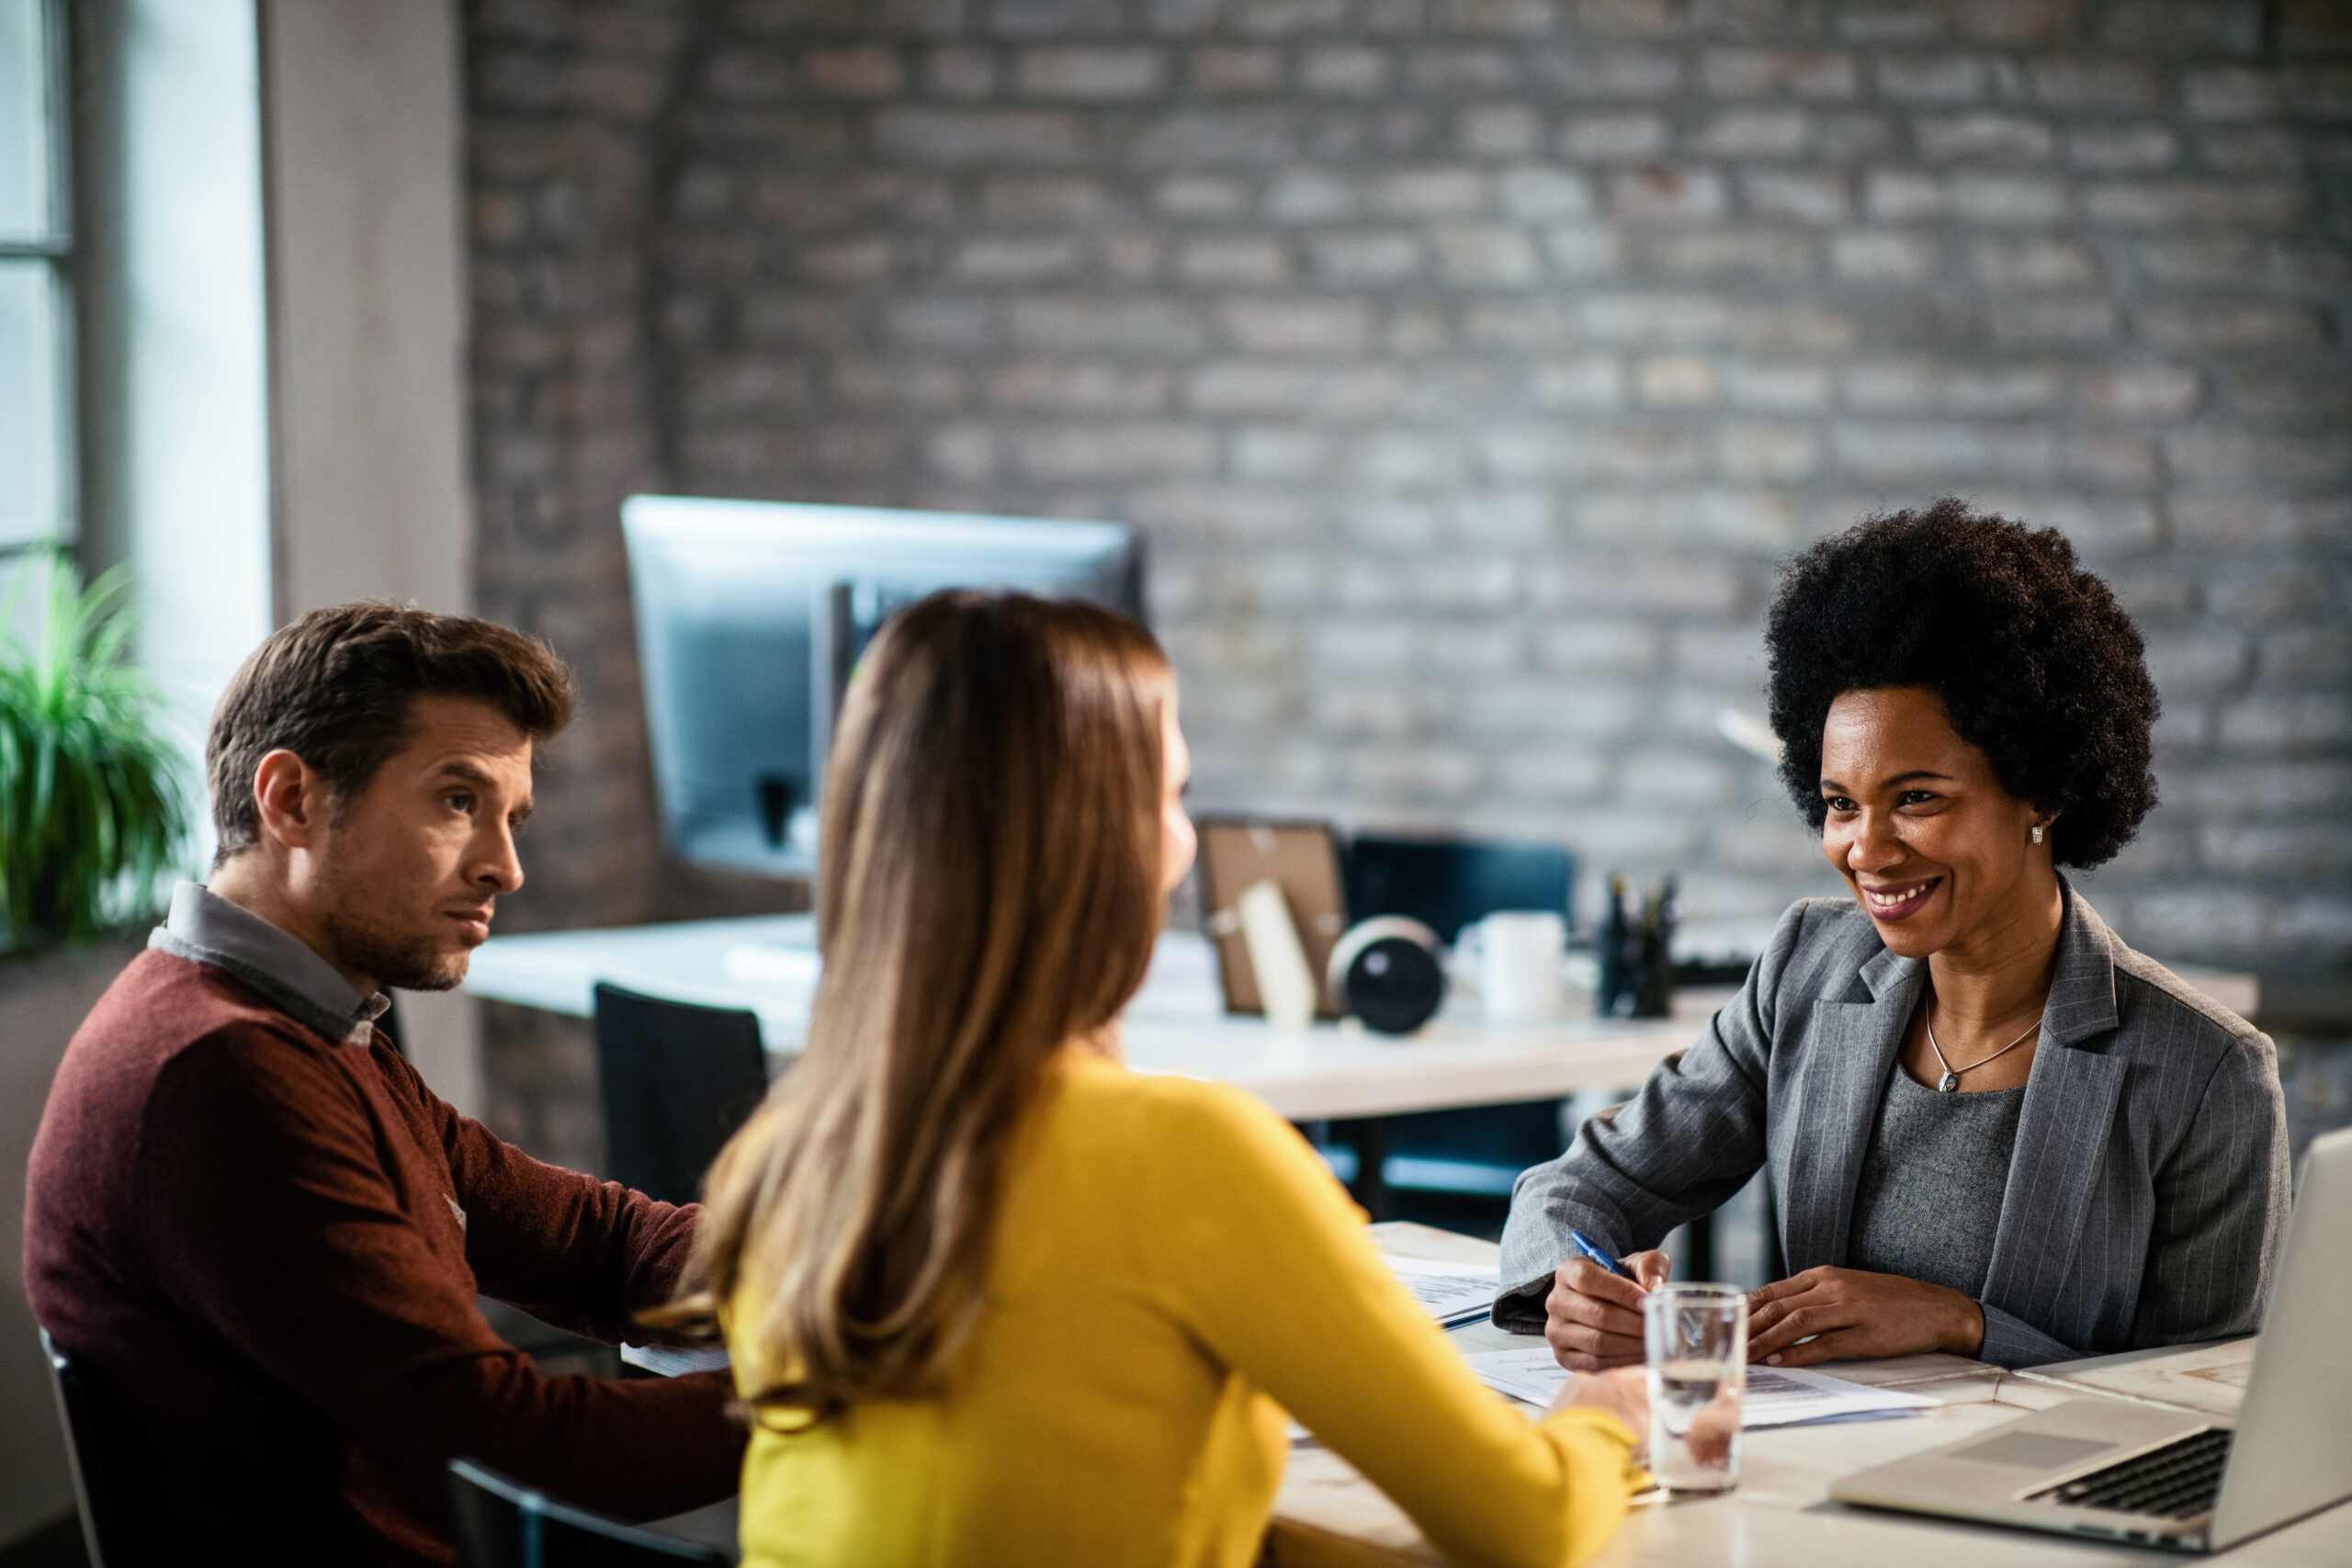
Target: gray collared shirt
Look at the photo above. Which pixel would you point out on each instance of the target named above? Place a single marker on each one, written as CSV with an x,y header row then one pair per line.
x,y
208,929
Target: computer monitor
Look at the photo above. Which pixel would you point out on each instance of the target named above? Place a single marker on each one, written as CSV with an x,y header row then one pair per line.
x,y
752,614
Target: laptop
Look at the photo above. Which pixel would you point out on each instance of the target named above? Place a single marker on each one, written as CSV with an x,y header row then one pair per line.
x,y
2167,1478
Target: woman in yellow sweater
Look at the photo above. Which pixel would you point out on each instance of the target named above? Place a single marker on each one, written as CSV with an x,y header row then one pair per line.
x,y
992,1297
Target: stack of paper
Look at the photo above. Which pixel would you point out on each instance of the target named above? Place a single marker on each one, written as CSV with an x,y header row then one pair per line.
x,y
1777,1396
1452,1293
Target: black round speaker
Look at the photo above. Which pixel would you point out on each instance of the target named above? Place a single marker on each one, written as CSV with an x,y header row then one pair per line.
x,y
1385,972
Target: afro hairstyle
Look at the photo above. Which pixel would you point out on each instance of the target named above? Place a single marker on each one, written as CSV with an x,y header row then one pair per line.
x,y
2036,664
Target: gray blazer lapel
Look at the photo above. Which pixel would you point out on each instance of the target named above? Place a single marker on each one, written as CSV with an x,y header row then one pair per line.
x,y
2062,1144
1819,1143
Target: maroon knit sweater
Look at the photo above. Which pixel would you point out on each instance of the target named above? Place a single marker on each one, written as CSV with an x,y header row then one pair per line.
x,y
269,1245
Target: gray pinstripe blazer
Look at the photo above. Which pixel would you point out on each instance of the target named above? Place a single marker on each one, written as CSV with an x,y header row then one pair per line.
x,y
2147,1193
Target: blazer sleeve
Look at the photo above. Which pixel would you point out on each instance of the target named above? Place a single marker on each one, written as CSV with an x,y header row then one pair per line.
x,y
1679,1149
1247,1225
2222,1203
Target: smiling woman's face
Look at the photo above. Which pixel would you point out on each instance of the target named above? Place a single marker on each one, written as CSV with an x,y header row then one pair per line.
x,y
1937,852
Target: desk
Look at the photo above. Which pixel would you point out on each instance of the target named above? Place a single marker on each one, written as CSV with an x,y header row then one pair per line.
x,y
1175,1025
1326,1516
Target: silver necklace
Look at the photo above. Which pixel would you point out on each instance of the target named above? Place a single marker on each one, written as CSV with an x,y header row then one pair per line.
x,y
1950,1082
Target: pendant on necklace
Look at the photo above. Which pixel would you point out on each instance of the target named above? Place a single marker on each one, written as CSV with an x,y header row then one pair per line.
x,y
1948,1083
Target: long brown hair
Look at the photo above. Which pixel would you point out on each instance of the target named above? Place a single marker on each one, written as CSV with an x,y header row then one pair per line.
x,y
988,892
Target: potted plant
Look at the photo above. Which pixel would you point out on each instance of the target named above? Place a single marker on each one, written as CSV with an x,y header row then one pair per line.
x,y
92,814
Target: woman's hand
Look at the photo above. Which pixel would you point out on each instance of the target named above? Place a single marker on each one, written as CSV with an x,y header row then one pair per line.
x,y
1593,1319
1624,1393
1844,1313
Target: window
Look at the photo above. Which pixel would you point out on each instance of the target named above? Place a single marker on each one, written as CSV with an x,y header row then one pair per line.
x,y
36,456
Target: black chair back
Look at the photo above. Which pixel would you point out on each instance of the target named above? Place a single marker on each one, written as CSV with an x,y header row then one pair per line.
x,y
502,1525
93,1445
677,1081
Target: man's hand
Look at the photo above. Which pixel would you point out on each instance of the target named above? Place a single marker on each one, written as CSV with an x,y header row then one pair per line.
x,y
1843,1313
1593,1319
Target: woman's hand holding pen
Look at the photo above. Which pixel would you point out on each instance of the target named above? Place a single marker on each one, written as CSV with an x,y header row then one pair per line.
x,y
1593,1319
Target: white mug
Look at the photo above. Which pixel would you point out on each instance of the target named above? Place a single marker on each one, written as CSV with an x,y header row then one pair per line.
x,y
1518,965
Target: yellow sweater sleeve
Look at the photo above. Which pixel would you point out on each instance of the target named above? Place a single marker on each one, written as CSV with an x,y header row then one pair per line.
x,y
1266,1260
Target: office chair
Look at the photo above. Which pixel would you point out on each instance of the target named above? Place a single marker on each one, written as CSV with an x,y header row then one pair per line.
x,y
677,1081
93,1447
502,1525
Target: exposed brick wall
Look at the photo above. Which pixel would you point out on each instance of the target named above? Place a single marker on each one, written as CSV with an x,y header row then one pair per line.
x,y
1470,365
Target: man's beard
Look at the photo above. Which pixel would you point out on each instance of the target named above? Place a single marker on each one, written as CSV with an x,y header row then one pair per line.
x,y
396,959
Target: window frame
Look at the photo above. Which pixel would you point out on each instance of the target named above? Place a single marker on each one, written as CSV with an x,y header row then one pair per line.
x,y
55,245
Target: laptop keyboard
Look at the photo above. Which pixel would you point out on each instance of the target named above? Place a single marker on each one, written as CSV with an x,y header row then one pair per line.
x,y
2174,1482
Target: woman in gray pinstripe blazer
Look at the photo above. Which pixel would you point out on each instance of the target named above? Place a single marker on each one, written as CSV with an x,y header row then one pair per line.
x,y
1992,1127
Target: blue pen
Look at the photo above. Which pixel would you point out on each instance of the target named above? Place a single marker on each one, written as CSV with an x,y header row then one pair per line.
x,y
1584,1245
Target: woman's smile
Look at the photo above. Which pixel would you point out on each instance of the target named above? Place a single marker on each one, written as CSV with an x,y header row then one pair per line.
x,y
1899,901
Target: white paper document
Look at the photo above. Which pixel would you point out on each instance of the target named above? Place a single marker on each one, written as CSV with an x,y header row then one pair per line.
x,y
1777,1396
1450,1292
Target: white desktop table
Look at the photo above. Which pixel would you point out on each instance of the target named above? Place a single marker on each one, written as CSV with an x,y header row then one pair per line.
x,y
1177,1024
1328,1516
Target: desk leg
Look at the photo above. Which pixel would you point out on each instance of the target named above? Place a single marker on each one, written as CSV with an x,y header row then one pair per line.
x,y
1368,1136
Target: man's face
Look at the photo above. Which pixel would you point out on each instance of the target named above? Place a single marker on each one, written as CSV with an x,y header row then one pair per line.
x,y
414,863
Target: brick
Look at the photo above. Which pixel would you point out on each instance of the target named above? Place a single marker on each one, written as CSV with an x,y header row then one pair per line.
x,y
2122,149
960,72
1009,260
1430,193
1582,251
2207,454
866,71
1140,327
1985,138
2291,397
2318,92
1929,78
1114,451
1498,130
2033,264
2007,200
1777,388
1602,73
2154,393
1366,257
2093,83
1072,201
2305,655
1589,383
1674,380
1610,137
2264,151
1660,192
1266,453
1233,70
1896,451
2187,27
1728,254
1244,137
1804,73
1310,196
1799,197
1299,326
1345,70
2229,325
1092,72
2153,204
1901,195
1884,255
1232,261
1046,19
1754,133
2230,92
1451,72
975,136
1079,388
2303,722
1529,193
1484,256
1770,453
2256,593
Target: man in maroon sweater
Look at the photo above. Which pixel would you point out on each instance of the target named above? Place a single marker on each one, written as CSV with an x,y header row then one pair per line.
x,y
255,1222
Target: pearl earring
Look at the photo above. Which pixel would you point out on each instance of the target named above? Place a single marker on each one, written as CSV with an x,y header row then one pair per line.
x,y
2036,833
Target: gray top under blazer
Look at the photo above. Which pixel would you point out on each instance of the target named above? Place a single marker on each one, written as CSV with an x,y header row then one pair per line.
x,y
2147,1193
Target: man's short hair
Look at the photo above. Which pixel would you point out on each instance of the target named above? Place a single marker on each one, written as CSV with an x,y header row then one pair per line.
x,y
337,688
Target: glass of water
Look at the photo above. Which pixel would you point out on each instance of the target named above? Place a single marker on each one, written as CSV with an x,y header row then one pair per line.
x,y
1697,1340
